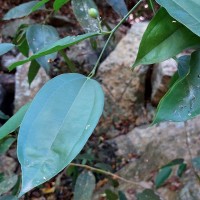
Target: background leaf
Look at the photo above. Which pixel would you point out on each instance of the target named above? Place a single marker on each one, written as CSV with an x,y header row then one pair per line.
x,y
40,36
147,194
181,169
176,161
122,196
196,163
33,70
59,3
180,105
85,185
3,116
65,111
158,45
39,5
183,65
5,144
5,47
22,10
54,47
162,176
80,9
14,122
8,197
110,195
119,6
7,184
186,12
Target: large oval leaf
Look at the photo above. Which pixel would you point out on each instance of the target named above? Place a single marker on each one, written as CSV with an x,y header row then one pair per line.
x,y
181,102
163,39
85,185
186,12
40,36
5,47
57,125
22,10
80,9
54,47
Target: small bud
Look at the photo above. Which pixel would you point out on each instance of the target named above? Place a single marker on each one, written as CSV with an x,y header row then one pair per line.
x,y
93,13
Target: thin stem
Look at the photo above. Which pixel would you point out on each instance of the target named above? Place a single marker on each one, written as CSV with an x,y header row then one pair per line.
x,y
69,63
114,176
93,72
152,7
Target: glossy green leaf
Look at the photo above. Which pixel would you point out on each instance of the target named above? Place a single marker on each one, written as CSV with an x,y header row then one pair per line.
x,y
196,163
176,161
5,47
3,116
181,169
173,80
40,36
59,3
85,185
8,197
163,39
186,12
33,70
110,195
182,104
22,10
80,9
183,65
7,184
119,6
57,125
39,5
5,144
122,196
147,194
55,47
162,176
14,122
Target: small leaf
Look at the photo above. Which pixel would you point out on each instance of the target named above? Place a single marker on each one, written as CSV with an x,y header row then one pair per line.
x,y
33,70
22,10
65,111
80,9
147,194
104,166
14,122
164,39
59,3
54,47
186,12
7,184
182,104
182,168
110,195
162,176
3,116
119,6
5,144
8,197
40,36
176,161
85,185
39,5
196,163
5,47
122,196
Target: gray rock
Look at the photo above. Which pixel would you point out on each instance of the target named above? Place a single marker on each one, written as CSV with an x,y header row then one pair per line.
x,y
161,77
23,92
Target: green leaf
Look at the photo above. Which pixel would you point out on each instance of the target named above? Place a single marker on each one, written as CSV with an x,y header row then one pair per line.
x,y
5,144
7,184
173,80
8,197
122,196
196,163
33,70
183,65
54,47
186,12
180,103
65,111
5,47
119,6
110,195
182,168
176,161
162,176
39,5
147,194
163,39
59,3
85,185
14,122
80,9
22,10
40,36
104,166
3,116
